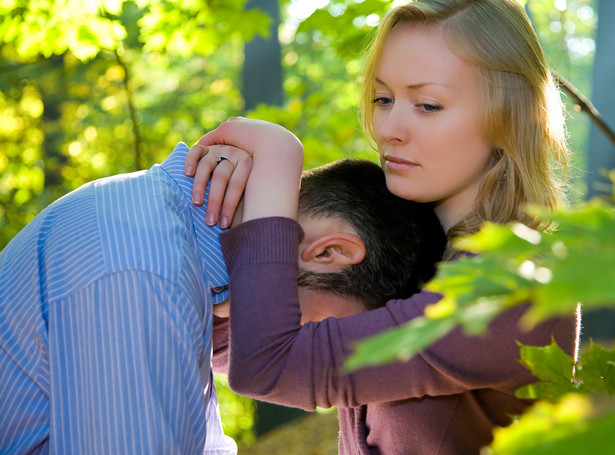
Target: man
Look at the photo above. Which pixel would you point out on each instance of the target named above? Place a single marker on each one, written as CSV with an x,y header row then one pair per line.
x,y
361,243
107,300
105,335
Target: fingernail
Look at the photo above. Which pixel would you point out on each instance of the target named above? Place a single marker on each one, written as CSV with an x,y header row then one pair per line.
x,y
224,222
189,171
196,198
209,219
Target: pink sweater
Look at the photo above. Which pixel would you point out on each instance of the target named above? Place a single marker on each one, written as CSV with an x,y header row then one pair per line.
x,y
444,401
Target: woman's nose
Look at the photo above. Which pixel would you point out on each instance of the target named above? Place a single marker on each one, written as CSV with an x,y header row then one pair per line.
x,y
395,126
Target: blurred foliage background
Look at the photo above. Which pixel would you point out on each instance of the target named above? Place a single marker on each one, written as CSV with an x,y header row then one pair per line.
x,y
90,88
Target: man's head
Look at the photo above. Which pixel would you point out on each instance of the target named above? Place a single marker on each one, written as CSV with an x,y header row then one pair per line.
x,y
362,242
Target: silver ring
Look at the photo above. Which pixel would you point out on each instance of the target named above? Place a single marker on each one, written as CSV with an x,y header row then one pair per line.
x,y
222,158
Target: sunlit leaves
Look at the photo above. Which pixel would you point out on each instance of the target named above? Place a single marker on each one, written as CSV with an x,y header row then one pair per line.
x,y
574,425
566,29
580,259
198,27
579,416
399,344
557,270
86,27
553,367
237,412
554,271
510,268
579,255
21,176
48,28
112,6
344,24
594,372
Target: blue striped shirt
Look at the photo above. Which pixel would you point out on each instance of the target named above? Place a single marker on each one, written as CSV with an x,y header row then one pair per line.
x,y
106,320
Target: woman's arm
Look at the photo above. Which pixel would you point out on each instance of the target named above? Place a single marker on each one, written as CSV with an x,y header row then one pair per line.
x,y
302,366
220,337
273,186
274,358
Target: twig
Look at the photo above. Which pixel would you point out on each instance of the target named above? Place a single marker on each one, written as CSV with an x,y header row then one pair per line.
x,y
585,105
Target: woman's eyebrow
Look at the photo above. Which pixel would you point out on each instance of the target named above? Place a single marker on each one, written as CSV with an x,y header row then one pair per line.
x,y
416,85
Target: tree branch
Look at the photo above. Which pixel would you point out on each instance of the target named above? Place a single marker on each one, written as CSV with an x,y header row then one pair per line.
x,y
585,105
132,112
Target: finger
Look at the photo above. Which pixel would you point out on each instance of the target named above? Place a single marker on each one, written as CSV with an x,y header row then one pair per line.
x,y
235,189
196,152
217,189
204,170
215,136
228,182
222,132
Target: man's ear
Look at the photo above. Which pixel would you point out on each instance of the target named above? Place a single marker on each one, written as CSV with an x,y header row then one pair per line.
x,y
332,252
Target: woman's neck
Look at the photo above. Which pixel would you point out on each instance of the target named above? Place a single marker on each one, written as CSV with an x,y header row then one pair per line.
x,y
450,212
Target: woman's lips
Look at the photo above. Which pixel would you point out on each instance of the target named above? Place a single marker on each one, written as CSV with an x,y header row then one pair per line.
x,y
395,162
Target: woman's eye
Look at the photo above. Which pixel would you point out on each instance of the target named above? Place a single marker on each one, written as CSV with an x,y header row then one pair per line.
x,y
382,101
428,108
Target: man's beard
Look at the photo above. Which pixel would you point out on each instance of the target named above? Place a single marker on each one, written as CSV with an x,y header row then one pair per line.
x,y
338,283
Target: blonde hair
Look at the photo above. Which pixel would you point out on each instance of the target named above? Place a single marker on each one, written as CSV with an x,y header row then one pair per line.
x,y
523,114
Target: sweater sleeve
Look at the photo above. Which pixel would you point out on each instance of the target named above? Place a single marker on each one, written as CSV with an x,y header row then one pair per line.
x,y
220,338
273,358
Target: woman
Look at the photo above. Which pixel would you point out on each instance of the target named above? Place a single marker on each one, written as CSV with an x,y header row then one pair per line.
x,y
458,98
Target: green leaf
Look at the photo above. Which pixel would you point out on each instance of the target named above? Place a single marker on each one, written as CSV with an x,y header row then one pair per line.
x,y
30,39
513,240
597,370
85,34
553,367
400,343
569,426
590,436
113,6
104,33
581,258
516,264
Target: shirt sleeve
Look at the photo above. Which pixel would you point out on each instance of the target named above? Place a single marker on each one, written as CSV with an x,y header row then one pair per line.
x,y
129,366
217,442
302,366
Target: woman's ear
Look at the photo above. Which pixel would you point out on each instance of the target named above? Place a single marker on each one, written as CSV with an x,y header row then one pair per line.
x,y
332,252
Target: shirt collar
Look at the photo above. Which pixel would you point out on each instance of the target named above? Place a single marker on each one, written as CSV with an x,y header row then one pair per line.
x,y
208,237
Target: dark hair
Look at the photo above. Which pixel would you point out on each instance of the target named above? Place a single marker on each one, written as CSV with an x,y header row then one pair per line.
x,y
404,240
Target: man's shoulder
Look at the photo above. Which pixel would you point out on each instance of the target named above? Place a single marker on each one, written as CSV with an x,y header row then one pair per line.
x,y
144,220
134,221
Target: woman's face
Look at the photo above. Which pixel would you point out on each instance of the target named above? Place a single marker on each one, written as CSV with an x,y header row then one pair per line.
x,y
427,122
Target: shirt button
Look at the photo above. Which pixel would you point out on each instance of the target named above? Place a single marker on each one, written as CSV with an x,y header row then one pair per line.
x,y
219,289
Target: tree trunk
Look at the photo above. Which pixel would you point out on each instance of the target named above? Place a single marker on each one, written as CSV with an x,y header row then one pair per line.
x,y
262,84
262,71
601,156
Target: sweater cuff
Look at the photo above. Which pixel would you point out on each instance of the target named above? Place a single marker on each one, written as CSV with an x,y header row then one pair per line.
x,y
261,241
